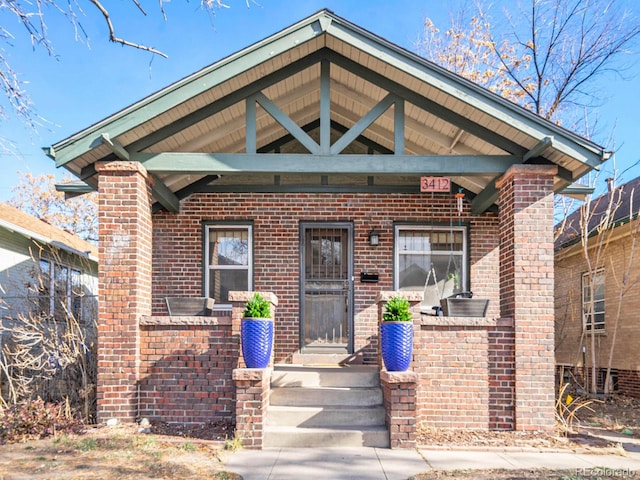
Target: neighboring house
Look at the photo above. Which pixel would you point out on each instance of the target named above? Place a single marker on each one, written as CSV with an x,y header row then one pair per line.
x,y
44,270
576,282
327,167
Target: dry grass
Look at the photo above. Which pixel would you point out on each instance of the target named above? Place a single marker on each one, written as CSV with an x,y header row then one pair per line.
x,y
114,453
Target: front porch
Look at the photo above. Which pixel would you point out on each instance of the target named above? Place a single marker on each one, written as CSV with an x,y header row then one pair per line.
x,y
462,377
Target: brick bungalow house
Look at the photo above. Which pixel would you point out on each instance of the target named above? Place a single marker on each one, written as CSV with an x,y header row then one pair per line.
x,y
326,167
575,322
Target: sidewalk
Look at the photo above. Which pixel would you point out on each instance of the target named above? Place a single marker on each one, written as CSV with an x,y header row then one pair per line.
x,y
385,464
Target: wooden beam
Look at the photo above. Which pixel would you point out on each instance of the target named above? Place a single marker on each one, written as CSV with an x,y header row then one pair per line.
x,y
164,195
238,163
263,188
325,107
577,191
289,125
116,148
538,151
74,189
485,199
362,124
250,125
398,127
374,146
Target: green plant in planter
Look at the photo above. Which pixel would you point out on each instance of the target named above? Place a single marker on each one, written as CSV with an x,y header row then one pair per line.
x,y
397,309
396,334
257,307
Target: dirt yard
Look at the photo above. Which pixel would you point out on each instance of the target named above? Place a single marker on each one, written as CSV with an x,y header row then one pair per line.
x,y
118,452
176,452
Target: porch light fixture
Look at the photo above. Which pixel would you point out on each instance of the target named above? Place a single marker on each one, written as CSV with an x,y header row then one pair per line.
x,y
374,238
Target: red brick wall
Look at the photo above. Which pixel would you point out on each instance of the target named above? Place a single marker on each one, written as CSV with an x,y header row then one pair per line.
x,y
124,284
570,335
178,239
399,393
526,288
466,370
185,371
501,355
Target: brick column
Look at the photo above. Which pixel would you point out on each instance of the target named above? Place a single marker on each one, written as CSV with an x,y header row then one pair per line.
x,y
399,391
124,283
526,288
253,386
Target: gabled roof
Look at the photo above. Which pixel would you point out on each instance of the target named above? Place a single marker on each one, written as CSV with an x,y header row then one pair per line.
x,y
627,199
31,227
310,93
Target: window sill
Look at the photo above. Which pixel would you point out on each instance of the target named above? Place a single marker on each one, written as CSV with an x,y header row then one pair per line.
x,y
168,321
433,321
597,333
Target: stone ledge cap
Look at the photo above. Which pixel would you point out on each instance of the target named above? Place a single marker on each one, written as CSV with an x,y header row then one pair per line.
x,y
398,377
240,296
386,295
251,374
157,320
121,166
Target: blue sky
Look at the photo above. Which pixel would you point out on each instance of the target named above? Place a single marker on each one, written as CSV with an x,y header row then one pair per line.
x,y
84,84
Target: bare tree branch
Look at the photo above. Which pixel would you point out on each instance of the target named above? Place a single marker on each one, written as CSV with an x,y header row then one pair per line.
x,y
114,38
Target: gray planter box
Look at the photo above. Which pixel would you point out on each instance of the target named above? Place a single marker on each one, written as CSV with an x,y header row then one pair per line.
x,y
464,307
190,306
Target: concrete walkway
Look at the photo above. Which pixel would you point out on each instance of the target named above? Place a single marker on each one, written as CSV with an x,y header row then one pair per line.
x,y
384,464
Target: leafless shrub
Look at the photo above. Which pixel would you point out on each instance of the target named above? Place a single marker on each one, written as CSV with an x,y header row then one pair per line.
x,y
48,346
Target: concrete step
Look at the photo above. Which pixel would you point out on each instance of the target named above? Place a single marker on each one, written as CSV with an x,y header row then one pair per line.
x,y
319,359
314,417
300,376
324,437
326,396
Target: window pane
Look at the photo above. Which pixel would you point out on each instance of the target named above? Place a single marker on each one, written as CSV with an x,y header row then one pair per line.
x,y
430,257
228,247
44,304
229,257
76,282
593,300
221,282
61,294
412,271
414,241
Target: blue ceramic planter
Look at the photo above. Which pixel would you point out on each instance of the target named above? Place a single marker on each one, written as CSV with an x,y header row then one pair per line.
x,y
396,344
256,336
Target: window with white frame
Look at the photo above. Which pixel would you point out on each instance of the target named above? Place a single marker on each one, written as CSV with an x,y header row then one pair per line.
x,y
228,257
431,259
60,290
593,300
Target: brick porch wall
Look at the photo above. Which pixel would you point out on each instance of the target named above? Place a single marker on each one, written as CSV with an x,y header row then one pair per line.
x,y
177,268
466,371
185,369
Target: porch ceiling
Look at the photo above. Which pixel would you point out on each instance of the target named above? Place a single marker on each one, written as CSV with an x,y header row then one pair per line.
x,y
331,95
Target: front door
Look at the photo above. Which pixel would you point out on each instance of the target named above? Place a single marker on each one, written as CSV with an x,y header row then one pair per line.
x,y
326,311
